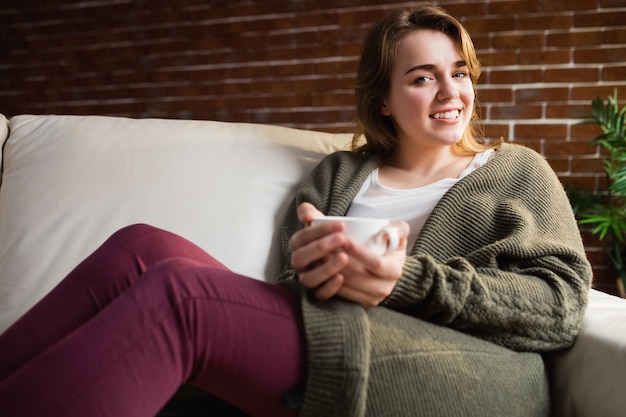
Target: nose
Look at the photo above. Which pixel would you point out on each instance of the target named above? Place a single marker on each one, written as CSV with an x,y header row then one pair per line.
x,y
447,90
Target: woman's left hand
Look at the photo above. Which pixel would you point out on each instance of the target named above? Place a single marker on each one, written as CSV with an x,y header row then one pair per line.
x,y
369,278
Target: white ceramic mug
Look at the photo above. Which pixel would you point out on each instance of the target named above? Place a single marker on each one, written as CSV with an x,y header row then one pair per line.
x,y
374,234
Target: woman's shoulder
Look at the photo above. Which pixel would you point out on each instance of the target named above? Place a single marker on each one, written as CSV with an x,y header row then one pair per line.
x,y
522,166
347,156
515,150
516,156
348,159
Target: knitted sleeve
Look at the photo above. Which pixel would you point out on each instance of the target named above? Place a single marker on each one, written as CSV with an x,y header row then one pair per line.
x,y
501,258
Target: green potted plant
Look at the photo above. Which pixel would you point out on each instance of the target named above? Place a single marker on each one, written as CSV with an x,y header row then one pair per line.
x,y
604,211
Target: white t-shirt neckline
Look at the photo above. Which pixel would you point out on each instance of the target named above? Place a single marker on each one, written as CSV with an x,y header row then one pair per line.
x,y
412,205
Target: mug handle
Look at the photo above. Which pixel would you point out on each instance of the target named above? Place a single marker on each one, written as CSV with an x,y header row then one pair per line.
x,y
393,238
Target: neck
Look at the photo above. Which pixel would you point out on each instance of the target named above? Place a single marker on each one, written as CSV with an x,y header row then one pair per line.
x,y
415,167
422,158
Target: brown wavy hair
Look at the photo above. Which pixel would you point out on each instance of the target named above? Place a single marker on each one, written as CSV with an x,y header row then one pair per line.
x,y
374,73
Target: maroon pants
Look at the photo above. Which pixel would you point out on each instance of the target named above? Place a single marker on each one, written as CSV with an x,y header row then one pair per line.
x,y
145,313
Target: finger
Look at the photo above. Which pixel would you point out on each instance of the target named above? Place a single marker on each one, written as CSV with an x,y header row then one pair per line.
x,y
366,290
307,212
323,271
368,262
307,235
387,267
329,288
316,250
355,296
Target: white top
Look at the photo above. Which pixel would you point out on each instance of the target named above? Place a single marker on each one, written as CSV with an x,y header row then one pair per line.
x,y
412,205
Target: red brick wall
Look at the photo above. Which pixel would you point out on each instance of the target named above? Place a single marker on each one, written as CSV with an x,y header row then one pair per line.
x,y
292,63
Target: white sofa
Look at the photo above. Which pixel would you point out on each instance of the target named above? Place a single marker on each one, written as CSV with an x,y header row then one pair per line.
x,y
68,182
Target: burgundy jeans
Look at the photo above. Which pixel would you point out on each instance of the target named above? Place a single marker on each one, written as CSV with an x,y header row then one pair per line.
x,y
145,313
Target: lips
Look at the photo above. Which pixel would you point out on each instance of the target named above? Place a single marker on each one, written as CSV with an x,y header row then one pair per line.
x,y
452,114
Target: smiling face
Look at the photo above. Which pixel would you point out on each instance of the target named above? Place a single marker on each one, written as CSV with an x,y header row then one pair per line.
x,y
431,95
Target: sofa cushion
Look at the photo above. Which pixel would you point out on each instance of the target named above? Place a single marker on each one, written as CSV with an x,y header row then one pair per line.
x,y
70,181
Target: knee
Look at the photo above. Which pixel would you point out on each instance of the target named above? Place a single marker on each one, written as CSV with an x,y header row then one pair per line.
x,y
148,245
137,229
136,235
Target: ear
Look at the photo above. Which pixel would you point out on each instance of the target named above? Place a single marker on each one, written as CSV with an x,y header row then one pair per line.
x,y
384,110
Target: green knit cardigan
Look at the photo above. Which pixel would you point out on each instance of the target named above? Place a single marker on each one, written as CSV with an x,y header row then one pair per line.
x,y
497,275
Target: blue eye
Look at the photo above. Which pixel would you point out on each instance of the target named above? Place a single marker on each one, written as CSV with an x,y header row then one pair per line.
x,y
460,74
420,80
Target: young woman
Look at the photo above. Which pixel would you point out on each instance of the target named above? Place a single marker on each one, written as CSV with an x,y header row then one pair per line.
x,y
491,272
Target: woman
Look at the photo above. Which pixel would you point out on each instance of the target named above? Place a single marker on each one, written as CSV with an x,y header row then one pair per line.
x,y
490,272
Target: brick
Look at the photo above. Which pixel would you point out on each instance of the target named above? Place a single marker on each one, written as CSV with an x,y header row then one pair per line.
x,y
541,130
541,95
316,117
359,17
559,164
350,49
545,21
516,76
516,112
616,73
336,67
316,51
585,131
229,89
463,10
482,42
567,111
614,35
322,83
251,102
495,95
516,41
316,19
590,93
515,6
600,55
495,59
575,38
570,147
545,57
495,130
572,75
489,24
568,5
600,19
301,100
332,99
590,165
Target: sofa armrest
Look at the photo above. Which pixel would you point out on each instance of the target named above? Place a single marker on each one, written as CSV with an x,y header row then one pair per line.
x,y
587,379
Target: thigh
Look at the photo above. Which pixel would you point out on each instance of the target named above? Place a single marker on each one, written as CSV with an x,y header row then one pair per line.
x,y
437,371
249,341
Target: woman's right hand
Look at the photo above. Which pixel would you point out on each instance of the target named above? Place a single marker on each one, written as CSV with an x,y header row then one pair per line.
x,y
317,253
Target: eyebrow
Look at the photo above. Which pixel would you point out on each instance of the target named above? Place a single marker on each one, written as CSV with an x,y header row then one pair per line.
x,y
458,64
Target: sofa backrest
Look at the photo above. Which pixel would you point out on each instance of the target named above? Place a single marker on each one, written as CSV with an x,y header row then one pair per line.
x,y
68,182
